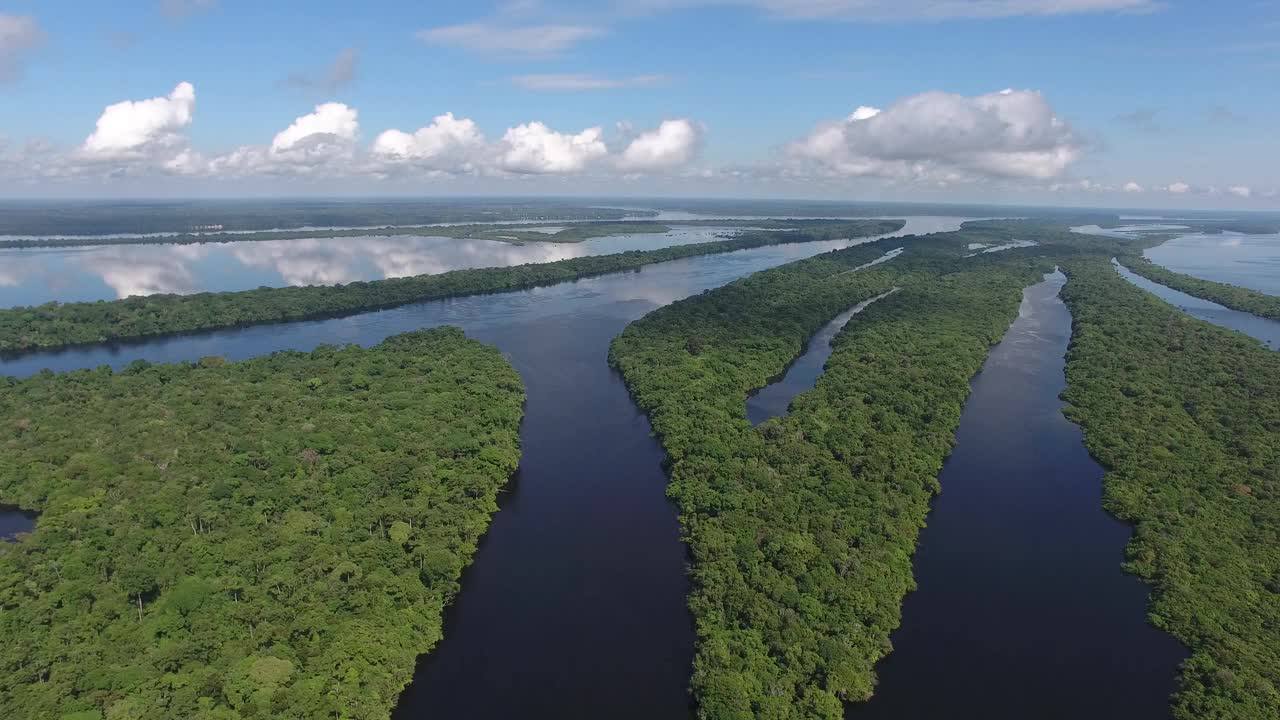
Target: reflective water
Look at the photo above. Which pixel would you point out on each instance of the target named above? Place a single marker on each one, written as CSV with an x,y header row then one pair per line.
x,y
575,605
775,398
1265,330
1022,610
1251,261
105,272
14,521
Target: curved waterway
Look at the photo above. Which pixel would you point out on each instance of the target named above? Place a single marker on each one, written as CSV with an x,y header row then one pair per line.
x,y
1265,330
575,604
1022,610
775,398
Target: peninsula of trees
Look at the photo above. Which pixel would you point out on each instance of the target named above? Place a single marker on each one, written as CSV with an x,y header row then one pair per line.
x,y
271,538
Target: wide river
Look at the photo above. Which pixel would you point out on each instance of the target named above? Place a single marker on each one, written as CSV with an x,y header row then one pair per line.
x,y
575,604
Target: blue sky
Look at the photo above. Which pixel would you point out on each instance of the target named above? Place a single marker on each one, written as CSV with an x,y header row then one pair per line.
x,y
1177,98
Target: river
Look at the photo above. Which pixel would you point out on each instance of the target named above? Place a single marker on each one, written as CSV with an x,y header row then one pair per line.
x,y
1265,330
15,521
1022,610
575,604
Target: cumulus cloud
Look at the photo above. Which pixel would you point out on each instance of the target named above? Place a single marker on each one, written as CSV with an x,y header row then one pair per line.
x,y
1133,187
581,82
534,148
942,137
1241,191
133,128
510,40
339,74
448,144
1179,188
19,35
671,144
331,124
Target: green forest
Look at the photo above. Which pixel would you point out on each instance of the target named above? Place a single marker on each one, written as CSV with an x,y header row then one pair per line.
x,y
1232,296
271,538
57,324
801,531
1186,416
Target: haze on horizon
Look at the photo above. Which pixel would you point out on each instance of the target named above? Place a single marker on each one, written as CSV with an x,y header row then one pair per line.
x,y
1119,103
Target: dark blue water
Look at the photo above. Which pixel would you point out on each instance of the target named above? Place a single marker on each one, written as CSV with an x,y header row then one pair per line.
x,y
775,399
14,521
1022,611
1264,330
575,604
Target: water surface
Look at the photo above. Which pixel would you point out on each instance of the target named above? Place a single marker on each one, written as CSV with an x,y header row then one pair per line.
x,y
575,604
1022,610
14,521
1265,330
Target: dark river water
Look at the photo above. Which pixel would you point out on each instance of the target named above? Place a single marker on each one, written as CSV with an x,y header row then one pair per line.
x,y
775,398
575,604
14,521
1022,611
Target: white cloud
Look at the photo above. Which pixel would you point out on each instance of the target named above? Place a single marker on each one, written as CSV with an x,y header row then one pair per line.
x,y
580,82
1133,187
534,148
133,128
907,10
1179,188
942,137
331,123
1241,191
448,144
673,143
511,40
19,35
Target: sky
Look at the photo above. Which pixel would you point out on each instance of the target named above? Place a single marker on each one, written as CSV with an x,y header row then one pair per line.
x,y
1132,103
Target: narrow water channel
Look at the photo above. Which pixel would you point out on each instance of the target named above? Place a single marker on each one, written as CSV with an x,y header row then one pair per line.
x,y
1022,610
1264,330
575,604
775,398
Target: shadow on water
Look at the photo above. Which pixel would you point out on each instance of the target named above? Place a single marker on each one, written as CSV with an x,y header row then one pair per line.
x,y
1022,610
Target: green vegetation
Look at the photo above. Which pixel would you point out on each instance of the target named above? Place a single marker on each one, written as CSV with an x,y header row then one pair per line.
x,y
270,538
35,218
572,232
57,324
1232,296
1187,418
801,531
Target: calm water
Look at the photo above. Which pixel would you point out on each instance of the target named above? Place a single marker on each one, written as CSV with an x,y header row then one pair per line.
x,y
1022,609
575,605
14,521
1265,330
775,399
35,276
1251,261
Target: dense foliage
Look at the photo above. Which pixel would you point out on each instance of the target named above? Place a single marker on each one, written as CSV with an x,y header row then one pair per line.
x,y
270,538
801,531
56,324
570,232
35,218
1232,296
1187,417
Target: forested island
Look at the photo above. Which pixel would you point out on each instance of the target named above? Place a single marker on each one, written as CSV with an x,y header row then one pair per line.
x,y
801,531
1232,296
57,324
271,538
